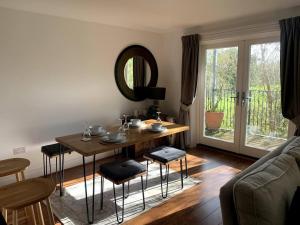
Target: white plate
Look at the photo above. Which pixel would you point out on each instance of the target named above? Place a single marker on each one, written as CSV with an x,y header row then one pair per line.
x,y
120,140
157,130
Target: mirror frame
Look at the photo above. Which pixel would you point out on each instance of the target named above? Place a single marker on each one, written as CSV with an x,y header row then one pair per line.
x,y
127,53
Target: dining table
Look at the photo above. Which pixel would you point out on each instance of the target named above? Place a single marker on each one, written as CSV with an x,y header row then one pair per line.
x,y
95,146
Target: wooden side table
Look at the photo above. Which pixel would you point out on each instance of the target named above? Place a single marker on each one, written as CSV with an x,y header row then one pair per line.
x,y
14,166
28,193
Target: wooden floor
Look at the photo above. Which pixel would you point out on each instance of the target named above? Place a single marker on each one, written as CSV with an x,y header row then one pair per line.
x,y
197,205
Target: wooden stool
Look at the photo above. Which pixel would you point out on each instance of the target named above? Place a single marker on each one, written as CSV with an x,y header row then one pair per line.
x,y
13,166
28,193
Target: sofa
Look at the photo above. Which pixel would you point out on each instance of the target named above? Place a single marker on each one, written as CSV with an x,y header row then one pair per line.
x,y
262,193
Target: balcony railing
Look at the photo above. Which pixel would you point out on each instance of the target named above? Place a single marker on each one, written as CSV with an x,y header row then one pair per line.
x,y
264,111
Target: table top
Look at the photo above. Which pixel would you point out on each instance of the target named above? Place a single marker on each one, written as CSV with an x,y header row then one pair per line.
x,y
24,193
133,135
13,166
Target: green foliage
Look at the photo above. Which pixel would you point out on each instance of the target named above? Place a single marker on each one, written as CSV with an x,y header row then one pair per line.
x,y
264,107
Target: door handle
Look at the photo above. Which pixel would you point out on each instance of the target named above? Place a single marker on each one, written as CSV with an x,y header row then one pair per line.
x,y
237,98
245,98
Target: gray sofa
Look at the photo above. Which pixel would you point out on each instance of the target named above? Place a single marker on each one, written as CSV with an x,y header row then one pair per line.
x,y
262,193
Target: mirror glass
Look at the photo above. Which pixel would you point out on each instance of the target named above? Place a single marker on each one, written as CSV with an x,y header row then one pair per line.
x,y
137,72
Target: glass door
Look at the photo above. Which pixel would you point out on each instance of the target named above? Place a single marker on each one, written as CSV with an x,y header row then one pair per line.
x,y
220,99
240,98
264,127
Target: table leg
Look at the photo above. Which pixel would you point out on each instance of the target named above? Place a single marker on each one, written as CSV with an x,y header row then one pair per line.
x,y
85,186
15,217
40,214
61,170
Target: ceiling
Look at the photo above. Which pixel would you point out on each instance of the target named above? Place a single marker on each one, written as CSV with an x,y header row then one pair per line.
x,y
154,15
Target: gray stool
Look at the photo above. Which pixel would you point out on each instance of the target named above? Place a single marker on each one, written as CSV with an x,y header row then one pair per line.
x,y
119,173
164,156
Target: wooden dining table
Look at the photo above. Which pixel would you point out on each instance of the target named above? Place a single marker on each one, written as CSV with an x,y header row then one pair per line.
x,y
96,146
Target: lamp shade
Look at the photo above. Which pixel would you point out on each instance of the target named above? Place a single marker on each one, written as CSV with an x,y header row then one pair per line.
x,y
157,93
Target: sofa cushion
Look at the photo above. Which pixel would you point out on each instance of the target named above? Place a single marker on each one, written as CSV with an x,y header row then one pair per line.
x,y
263,196
229,215
293,149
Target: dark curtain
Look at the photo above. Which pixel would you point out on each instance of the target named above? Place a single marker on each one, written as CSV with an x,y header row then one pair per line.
x,y
139,73
290,70
189,77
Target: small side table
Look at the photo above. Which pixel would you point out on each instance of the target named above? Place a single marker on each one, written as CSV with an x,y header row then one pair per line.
x,y
10,167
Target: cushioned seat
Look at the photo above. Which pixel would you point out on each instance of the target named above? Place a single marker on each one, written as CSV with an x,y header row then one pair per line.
x,y
165,154
119,171
53,150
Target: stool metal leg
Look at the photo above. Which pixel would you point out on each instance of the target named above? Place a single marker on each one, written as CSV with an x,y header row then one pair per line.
x,y
186,169
164,177
181,173
120,220
44,164
50,169
161,181
142,181
147,174
128,191
101,194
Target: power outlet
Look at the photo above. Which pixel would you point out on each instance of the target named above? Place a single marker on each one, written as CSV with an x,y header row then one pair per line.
x,y
20,150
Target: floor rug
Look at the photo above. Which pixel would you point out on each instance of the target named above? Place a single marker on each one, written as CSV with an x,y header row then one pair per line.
x,y
71,208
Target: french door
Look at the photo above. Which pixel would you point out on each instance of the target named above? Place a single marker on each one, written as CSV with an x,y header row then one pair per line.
x,y
240,106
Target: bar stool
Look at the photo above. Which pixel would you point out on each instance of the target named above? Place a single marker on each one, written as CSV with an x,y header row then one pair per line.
x,y
119,173
25,194
13,166
165,155
52,151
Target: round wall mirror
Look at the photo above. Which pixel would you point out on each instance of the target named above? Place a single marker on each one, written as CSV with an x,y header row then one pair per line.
x,y
135,70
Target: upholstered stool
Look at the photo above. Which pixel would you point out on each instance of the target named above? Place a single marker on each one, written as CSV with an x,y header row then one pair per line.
x,y
52,151
119,173
164,156
28,193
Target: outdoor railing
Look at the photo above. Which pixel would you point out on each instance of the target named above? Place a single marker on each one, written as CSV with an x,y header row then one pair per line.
x,y
264,111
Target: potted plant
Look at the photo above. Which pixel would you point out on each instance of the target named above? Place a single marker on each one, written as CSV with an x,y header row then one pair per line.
x,y
214,116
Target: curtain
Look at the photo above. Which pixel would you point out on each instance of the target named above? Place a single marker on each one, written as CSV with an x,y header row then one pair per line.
x,y
189,77
290,70
139,74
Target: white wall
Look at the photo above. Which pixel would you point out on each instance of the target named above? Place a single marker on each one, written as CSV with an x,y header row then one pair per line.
x,y
57,73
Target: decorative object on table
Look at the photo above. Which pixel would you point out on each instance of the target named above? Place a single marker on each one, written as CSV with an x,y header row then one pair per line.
x,y
157,128
156,94
115,137
86,136
71,210
164,156
97,130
